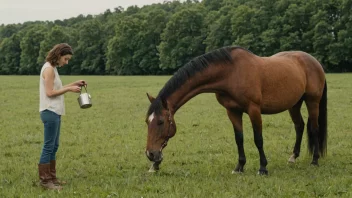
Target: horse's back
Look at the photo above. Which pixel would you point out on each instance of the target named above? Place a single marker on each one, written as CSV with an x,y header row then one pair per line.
x,y
312,69
286,77
303,60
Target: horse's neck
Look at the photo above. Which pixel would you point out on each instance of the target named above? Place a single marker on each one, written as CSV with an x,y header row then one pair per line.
x,y
203,82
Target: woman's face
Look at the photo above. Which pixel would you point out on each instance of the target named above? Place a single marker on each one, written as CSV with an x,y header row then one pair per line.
x,y
64,60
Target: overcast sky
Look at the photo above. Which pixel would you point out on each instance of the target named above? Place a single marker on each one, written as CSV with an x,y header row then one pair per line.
x,y
19,11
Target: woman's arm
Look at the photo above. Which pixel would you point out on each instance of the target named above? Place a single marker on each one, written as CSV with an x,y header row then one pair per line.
x,y
49,77
77,83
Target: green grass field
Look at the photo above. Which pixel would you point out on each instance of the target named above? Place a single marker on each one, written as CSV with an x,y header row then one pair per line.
x,y
102,148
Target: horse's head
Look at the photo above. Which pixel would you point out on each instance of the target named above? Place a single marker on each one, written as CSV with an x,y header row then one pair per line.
x,y
161,127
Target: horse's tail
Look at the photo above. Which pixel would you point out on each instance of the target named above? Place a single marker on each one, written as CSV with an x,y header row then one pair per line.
x,y
323,131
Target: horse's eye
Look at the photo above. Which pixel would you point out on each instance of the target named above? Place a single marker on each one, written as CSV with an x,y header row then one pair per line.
x,y
160,122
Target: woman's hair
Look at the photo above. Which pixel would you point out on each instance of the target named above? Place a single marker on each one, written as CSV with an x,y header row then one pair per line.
x,y
58,50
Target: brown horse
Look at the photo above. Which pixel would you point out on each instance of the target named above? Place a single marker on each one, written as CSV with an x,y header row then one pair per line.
x,y
246,83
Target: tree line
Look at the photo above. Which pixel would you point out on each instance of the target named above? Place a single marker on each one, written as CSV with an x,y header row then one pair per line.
x,y
158,39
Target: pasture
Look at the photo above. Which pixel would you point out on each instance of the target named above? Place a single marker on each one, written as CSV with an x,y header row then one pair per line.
x,y
102,148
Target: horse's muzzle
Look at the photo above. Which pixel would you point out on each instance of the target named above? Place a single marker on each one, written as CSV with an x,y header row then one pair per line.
x,y
154,156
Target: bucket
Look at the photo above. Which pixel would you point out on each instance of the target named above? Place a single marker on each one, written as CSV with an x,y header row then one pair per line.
x,y
84,99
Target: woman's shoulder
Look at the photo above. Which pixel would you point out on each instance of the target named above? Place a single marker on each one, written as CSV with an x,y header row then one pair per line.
x,y
47,64
47,67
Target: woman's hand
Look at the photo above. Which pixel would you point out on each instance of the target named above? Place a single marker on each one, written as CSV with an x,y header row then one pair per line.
x,y
80,83
75,89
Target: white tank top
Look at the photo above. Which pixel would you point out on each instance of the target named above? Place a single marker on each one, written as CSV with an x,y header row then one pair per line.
x,y
55,104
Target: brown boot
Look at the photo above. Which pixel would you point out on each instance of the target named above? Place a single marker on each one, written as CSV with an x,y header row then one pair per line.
x,y
53,173
45,178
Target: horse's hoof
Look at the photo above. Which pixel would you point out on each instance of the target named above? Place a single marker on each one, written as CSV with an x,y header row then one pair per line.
x,y
153,170
237,171
263,172
292,159
314,163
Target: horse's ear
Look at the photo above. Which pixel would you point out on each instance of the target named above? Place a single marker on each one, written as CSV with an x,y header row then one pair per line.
x,y
151,98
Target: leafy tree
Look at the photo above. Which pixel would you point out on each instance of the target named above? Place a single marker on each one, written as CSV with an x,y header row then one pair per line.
x,y
30,46
171,6
118,9
121,47
76,20
339,55
213,4
294,23
90,48
10,52
182,38
55,36
7,31
322,39
160,38
219,32
131,10
147,55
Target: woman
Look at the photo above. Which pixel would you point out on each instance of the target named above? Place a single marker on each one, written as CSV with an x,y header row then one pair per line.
x,y
51,107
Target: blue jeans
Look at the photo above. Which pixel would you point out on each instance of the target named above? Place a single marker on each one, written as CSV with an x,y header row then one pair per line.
x,y
52,122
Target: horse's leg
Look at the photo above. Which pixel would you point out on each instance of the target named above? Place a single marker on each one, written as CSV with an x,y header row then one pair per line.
x,y
296,116
236,119
313,128
255,116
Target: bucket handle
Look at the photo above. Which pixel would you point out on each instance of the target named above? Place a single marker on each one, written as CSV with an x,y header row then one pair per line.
x,y
85,87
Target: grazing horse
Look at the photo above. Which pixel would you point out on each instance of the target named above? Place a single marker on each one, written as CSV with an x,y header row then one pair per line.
x,y
246,83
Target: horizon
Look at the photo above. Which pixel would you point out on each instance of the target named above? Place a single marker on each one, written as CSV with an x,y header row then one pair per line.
x,y
17,12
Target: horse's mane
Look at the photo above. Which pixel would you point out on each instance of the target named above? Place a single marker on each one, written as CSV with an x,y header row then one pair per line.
x,y
196,65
